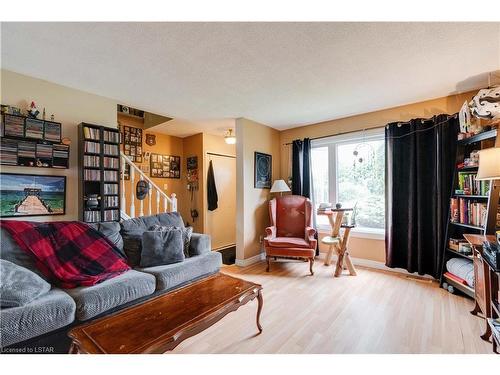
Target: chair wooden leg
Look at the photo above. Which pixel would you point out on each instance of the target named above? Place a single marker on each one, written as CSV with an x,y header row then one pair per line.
x,y
311,263
350,265
268,264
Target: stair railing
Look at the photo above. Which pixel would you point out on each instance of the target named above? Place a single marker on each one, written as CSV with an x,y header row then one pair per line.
x,y
169,203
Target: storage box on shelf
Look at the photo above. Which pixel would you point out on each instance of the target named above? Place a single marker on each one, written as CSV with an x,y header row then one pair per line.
x,y
99,162
29,142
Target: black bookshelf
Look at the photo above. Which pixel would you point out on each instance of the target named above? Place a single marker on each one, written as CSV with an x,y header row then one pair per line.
x,y
30,142
99,173
456,230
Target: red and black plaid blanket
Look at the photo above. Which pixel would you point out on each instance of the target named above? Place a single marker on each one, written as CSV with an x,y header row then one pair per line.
x,y
70,253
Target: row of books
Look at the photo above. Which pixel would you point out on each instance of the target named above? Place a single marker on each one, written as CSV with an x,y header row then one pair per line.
x,y
33,154
111,201
111,162
91,161
92,216
92,147
110,136
468,185
111,215
110,175
110,149
21,127
110,188
91,133
468,211
92,175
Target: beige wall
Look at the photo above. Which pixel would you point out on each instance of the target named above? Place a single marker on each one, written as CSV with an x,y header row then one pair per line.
x,y
371,249
70,107
252,204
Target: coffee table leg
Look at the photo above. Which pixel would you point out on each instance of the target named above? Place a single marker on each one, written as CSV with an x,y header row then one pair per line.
x,y
73,349
259,310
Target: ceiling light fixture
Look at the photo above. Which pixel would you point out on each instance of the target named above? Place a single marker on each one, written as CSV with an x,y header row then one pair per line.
x,y
230,138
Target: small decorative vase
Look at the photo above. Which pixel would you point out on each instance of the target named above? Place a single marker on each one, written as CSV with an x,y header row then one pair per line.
x,y
92,201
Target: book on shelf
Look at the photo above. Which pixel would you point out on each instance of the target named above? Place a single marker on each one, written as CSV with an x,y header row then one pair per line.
x,y
110,162
91,175
8,151
111,136
92,216
92,147
468,211
91,133
110,149
111,215
468,185
34,128
52,131
455,278
91,161
110,188
13,126
111,201
110,176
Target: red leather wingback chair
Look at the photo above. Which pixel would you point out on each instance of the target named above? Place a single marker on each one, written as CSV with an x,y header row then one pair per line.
x,y
290,233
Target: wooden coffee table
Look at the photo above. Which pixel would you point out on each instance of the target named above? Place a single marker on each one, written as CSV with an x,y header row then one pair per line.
x,y
163,322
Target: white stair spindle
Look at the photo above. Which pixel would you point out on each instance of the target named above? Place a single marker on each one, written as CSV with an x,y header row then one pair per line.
x,y
141,206
157,201
132,198
165,208
173,202
150,195
124,204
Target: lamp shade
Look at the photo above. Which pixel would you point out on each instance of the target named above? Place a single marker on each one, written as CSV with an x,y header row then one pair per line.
x,y
279,186
489,164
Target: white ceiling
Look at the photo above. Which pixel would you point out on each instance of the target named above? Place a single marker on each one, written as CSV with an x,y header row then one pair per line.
x,y
280,74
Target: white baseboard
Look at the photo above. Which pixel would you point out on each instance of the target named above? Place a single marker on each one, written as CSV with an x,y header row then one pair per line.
x,y
357,262
380,266
249,261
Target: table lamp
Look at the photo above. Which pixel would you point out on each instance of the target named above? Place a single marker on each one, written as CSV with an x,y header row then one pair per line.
x,y
279,186
489,164
489,168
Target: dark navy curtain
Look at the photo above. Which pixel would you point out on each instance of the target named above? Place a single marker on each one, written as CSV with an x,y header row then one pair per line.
x,y
301,167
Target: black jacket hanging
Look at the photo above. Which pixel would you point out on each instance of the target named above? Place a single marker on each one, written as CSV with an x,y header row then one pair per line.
x,y
212,197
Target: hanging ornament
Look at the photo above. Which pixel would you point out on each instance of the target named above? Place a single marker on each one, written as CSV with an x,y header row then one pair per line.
x,y
363,152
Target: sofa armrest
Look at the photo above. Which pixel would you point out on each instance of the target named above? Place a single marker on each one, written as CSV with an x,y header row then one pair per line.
x,y
200,244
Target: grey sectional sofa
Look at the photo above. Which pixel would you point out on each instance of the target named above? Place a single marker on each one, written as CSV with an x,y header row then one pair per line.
x,y
46,320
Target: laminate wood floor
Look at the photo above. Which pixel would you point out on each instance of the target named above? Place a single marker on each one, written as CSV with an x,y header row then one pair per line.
x,y
374,312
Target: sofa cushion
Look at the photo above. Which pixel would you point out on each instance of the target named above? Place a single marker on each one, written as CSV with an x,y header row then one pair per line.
x,y
96,299
47,313
174,275
18,285
139,225
10,250
199,244
187,232
112,232
289,242
160,247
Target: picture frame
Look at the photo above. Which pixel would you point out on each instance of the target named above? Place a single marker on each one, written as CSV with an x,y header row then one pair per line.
x,y
263,170
24,195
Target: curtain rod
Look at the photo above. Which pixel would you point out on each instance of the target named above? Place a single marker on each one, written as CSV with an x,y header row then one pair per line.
x,y
362,130
331,135
223,155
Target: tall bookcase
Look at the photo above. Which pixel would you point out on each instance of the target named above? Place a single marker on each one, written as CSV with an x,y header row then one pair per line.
x,y
99,173
477,206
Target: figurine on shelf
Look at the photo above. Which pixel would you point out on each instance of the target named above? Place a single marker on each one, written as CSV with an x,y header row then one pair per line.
x,y
52,117
33,111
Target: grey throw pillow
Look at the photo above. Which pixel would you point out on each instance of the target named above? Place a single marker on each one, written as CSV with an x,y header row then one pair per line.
x,y
19,286
187,232
162,247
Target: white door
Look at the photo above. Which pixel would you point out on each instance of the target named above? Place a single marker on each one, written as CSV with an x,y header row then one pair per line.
x,y
221,223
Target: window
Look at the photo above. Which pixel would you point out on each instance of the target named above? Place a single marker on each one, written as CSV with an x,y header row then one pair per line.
x,y
339,176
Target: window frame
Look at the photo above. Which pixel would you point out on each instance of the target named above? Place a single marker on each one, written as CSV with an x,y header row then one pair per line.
x,y
332,143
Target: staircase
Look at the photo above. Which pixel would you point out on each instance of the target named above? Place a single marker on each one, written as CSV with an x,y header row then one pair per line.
x,y
161,202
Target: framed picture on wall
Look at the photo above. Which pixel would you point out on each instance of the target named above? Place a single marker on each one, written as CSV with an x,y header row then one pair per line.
x,y
263,170
32,195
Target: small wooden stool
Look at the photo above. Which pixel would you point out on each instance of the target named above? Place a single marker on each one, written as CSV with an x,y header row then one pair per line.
x,y
338,242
